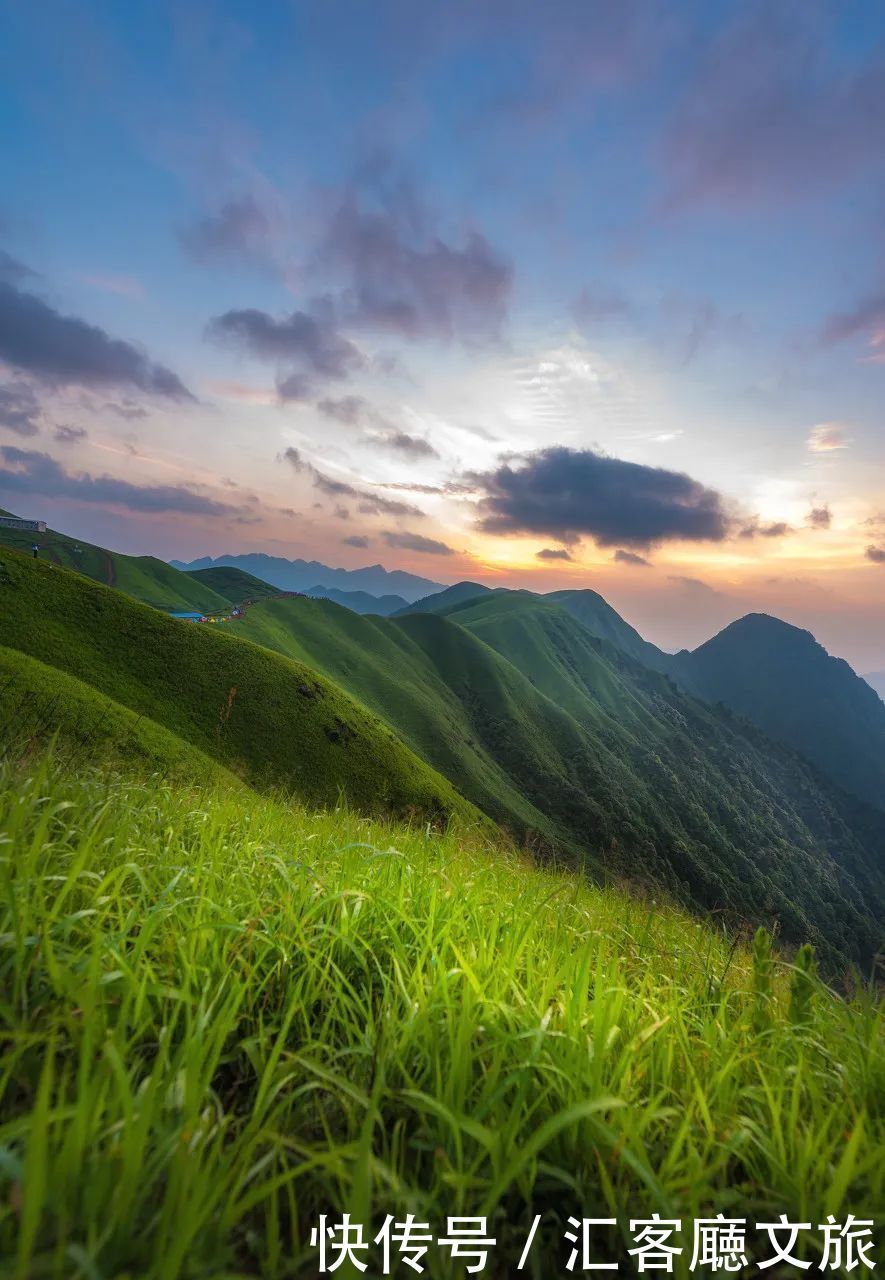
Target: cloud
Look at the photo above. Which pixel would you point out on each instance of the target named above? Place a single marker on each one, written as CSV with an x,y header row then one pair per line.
x,y
69,435
397,273
416,542
27,471
19,408
819,517
695,585
866,320
65,351
305,345
569,493
369,503
754,528
876,554
12,271
630,557
239,230
597,306
354,411
773,115
553,553
827,437
356,540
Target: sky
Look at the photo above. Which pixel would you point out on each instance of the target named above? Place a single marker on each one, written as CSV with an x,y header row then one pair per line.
x,y
574,295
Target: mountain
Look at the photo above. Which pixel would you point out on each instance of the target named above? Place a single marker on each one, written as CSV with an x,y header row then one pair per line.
x,y
779,677
272,721
144,578
233,585
359,601
441,601
576,747
597,615
301,575
876,680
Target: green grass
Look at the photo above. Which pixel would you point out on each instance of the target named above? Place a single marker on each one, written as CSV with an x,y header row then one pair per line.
x,y
144,578
272,721
572,744
233,585
222,1015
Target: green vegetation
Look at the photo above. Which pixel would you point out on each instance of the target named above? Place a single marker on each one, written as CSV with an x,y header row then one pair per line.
x,y
272,721
575,746
143,577
233,585
785,682
223,1016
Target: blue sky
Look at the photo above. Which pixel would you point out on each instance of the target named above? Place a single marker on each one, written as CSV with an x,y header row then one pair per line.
x,y
464,282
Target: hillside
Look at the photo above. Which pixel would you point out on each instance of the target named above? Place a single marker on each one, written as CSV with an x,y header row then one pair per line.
x,y
145,578
600,619
574,745
785,682
272,721
242,1015
359,601
443,600
301,575
233,585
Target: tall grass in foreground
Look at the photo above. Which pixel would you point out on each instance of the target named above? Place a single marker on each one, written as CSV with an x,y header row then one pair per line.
x,y
221,1017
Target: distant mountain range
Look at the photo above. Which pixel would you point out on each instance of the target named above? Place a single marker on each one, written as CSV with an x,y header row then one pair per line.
x,y
303,575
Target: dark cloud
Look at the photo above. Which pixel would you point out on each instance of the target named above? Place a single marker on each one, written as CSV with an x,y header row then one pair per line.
x,y
397,273
64,350
876,554
356,540
305,345
69,435
630,557
553,553
26,471
19,408
368,503
820,517
402,442
754,528
239,230
772,114
416,542
569,493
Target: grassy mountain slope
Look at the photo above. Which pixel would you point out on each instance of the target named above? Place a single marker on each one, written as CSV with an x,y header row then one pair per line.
x,y
233,585
518,705
600,619
359,601
144,578
784,681
442,600
40,705
241,1016
272,721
